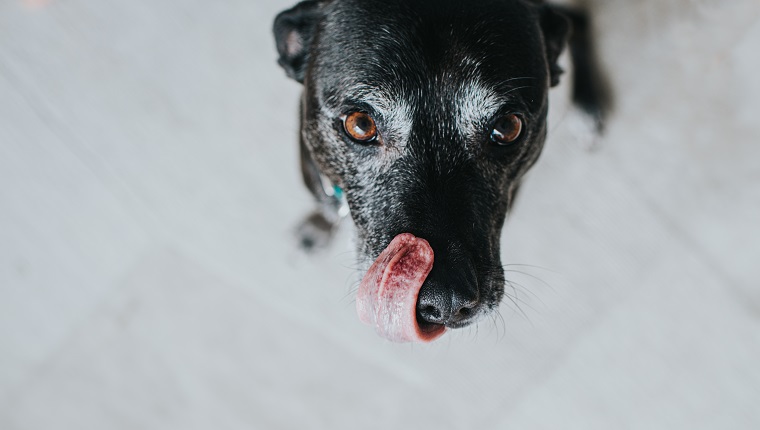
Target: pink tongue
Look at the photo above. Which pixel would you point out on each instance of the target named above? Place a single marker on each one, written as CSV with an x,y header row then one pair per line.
x,y
387,297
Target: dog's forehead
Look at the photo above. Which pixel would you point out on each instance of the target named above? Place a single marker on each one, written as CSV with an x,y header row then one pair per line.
x,y
475,50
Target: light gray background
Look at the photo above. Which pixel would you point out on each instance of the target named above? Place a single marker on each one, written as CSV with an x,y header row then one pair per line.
x,y
149,188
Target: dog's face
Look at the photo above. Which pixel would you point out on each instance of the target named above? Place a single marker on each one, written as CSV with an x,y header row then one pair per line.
x,y
427,114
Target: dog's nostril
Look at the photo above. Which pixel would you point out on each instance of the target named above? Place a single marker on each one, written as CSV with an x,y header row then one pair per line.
x,y
464,312
431,312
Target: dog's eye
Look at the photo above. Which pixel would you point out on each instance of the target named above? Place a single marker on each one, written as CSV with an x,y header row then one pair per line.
x,y
507,129
360,127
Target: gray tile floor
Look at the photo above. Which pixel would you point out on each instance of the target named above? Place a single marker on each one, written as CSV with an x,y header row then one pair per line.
x,y
148,277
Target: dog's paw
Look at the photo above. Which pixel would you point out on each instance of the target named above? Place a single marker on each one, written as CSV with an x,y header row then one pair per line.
x,y
315,232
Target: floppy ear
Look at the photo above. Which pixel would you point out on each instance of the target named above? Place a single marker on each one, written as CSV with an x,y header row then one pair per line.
x,y
556,29
293,31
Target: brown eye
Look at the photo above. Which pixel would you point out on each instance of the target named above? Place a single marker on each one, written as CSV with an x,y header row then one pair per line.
x,y
507,129
360,127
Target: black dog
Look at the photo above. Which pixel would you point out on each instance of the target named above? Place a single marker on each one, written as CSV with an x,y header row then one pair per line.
x,y
423,116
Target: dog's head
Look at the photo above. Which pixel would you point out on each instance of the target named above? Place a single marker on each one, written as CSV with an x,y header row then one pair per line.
x,y
427,113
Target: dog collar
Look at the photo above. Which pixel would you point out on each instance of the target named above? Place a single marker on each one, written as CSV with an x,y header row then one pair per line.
x,y
335,192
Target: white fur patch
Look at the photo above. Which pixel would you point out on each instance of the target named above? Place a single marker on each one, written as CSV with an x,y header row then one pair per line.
x,y
398,114
475,104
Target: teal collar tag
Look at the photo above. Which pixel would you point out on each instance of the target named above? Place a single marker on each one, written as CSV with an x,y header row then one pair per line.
x,y
338,192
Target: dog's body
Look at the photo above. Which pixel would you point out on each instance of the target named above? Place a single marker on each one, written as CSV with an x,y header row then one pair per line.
x,y
424,115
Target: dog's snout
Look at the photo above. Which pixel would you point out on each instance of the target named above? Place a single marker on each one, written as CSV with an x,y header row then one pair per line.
x,y
447,300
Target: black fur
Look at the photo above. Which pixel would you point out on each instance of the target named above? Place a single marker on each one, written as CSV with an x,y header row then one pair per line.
x,y
591,92
435,75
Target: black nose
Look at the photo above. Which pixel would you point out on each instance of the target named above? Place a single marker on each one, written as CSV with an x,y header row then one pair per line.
x,y
448,297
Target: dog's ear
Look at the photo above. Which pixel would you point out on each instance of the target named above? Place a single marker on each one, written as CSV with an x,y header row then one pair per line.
x,y
556,29
293,31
